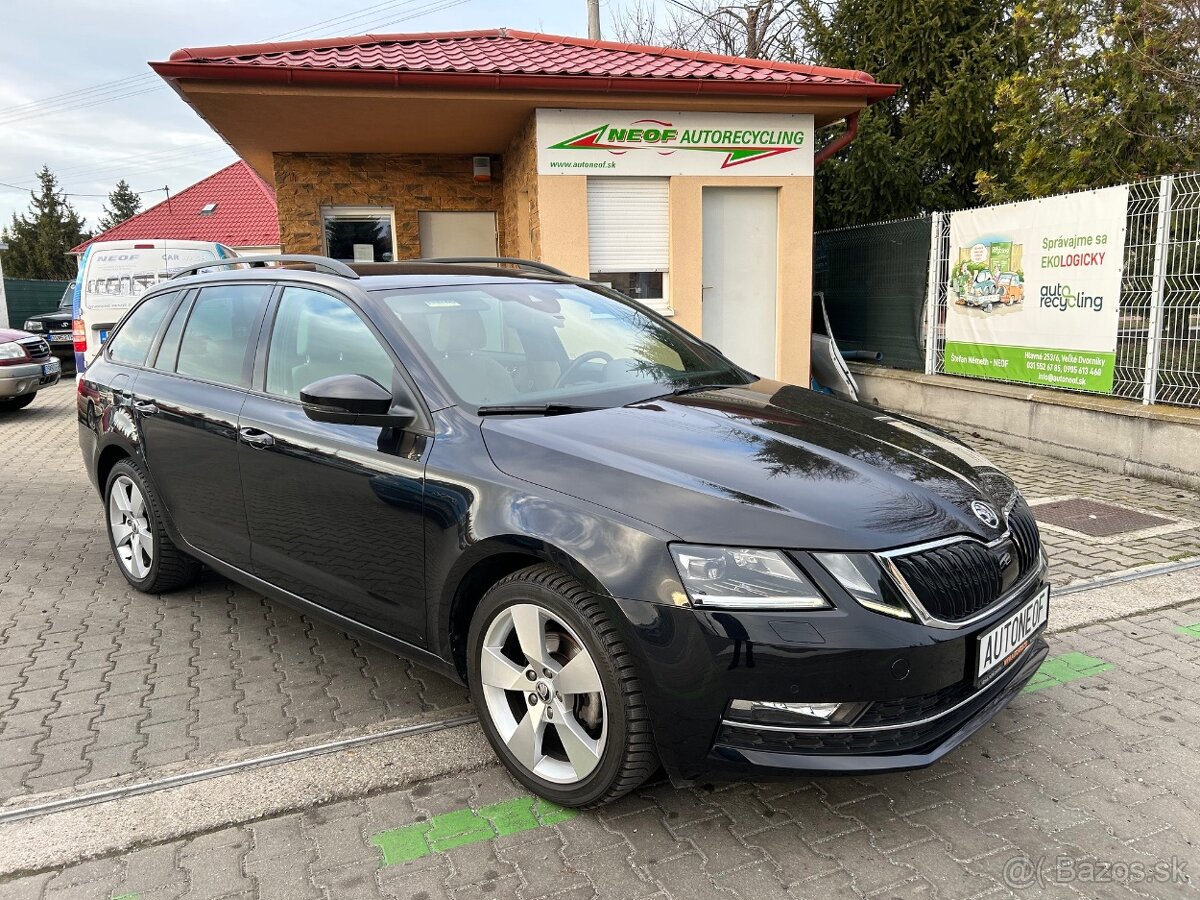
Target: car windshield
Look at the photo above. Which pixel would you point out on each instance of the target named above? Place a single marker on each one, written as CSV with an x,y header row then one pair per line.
x,y
68,297
530,344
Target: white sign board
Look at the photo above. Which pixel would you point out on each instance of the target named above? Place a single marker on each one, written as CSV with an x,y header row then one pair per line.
x,y
1034,289
639,142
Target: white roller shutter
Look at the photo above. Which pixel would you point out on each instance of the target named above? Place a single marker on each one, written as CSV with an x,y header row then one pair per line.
x,y
627,224
628,227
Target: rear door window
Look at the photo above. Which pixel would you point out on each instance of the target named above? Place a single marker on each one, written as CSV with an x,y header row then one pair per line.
x,y
216,341
132,342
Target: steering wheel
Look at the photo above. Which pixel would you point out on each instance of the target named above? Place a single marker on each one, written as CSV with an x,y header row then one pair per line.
x,y
579,362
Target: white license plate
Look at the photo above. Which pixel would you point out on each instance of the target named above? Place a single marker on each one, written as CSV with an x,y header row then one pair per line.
x,y
1005,643
51,368
60,338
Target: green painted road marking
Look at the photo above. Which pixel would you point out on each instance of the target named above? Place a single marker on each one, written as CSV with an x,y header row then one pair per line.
x,y
1068,667
467,826
1190,630
133,896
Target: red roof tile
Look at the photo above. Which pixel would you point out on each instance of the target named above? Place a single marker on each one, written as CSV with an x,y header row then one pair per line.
x,y
245,213
517,54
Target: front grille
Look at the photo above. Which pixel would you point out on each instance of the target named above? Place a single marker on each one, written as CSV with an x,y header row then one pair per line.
x,y
1025,533
37,349
954,581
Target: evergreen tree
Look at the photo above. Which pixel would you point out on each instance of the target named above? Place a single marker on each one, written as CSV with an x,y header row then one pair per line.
x,y
39,241
921,149
122,204
1109,92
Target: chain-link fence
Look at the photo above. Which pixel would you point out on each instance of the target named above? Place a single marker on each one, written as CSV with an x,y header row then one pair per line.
x,y
1158,328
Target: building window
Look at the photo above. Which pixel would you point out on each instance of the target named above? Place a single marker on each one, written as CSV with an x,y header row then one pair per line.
x,y
628,231
360,233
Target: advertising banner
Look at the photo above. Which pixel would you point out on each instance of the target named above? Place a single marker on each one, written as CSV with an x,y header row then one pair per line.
x,y
1033,290
637,142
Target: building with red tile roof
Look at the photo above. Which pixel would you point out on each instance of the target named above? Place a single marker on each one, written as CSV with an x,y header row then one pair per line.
x,y
234,207
601,158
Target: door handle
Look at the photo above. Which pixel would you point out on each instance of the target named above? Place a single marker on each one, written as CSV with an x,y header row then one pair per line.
x,y
256,438
145,407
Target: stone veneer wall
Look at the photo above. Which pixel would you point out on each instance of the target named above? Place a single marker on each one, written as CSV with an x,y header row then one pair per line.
x,y
519,222
409,183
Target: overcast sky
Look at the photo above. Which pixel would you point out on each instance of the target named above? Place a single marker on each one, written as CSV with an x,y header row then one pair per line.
x,y
139,129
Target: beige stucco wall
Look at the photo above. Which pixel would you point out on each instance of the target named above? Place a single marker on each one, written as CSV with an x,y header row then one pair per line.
x,y
793,277
562,207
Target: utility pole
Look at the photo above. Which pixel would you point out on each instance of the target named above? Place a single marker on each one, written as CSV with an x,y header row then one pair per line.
x,y
594,19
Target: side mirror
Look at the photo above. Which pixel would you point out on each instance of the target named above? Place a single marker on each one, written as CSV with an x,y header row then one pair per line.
x,y
356,400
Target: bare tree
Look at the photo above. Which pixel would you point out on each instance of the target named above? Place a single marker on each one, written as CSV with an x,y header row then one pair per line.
x,y
759,29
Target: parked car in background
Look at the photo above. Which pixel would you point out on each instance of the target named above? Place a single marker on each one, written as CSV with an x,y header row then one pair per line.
x,y
55,328
113,275
26,367
631,549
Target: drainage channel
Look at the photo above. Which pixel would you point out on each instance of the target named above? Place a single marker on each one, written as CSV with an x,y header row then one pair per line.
x,y
1127,576
172,781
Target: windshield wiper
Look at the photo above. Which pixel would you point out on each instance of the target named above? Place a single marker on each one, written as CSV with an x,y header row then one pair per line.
x,y
535,409
700,388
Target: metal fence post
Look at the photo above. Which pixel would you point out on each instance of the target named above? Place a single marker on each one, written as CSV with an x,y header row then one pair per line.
x,y
1157,289
932,293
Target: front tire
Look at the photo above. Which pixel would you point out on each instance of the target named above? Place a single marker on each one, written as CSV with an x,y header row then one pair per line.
x,y
140,545
11,404
557,691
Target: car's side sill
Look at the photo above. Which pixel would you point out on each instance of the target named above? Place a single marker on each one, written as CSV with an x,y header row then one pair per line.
x,y
337,620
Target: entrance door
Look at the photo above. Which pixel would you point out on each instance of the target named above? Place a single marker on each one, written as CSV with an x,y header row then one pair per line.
x,y
457,234
741,259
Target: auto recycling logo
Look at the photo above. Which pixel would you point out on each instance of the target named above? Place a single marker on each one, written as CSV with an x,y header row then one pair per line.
x,y
1063,298
740,145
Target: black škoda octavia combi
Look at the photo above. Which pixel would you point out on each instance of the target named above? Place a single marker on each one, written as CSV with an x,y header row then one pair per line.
x,y
631,550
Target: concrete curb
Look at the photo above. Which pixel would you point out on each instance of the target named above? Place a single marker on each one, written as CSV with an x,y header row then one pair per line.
x,y
1110,602
64,838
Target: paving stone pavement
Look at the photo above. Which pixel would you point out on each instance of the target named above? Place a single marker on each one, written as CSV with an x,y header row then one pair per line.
x,y
96,680
1085,780
1072,560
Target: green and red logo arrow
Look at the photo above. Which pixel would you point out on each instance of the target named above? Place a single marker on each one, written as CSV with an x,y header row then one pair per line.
x,y
739,146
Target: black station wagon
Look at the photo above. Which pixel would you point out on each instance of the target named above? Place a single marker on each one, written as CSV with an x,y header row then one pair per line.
x,y
634,552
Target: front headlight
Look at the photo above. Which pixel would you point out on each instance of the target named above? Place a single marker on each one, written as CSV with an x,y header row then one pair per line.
x,y
741,578
33,326
12,351
865,581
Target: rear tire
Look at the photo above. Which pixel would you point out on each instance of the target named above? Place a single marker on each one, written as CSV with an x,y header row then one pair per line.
x,y
140,545
11,404
560,700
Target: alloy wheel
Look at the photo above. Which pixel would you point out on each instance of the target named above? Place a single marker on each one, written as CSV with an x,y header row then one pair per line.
x,y
129,522
544,694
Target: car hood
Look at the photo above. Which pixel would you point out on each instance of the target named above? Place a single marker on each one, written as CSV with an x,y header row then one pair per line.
x,y
768,464
8,335
52,318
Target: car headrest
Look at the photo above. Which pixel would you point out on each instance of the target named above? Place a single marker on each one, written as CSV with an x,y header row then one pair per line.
x,y
461,330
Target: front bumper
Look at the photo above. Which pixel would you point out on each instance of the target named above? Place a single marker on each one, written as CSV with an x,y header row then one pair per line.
x,y
918,678
17,381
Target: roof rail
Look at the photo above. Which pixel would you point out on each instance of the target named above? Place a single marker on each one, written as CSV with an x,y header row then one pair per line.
x,y
332,266
531,264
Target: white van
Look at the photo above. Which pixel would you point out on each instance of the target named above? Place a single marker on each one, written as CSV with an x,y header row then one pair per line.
x,y
114,274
